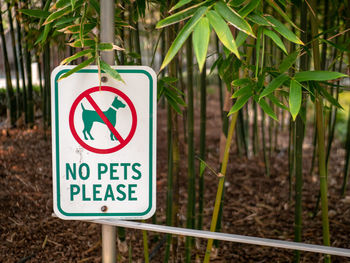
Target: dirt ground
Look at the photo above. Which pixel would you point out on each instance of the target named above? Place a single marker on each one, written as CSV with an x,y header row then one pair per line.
x,y
255,205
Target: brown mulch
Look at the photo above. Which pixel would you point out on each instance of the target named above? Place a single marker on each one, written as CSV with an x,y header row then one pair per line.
x,y
255,205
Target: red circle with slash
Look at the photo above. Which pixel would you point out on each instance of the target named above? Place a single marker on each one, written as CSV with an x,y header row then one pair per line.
x,y
86,94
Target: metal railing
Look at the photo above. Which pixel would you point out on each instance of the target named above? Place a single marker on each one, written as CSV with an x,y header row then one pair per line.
x,y
227,237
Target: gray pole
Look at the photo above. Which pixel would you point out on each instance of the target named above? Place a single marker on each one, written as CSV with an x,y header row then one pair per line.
x,y
109,232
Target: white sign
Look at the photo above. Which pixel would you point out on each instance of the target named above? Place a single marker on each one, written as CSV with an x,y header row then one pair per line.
x,y
104,144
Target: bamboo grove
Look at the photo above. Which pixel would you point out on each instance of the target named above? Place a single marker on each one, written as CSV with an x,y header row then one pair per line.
x,y
277,65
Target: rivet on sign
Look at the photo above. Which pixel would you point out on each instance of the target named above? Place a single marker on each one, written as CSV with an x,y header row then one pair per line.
x,y
104,79
104,208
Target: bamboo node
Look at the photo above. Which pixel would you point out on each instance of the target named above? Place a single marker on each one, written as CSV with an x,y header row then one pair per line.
x,y
220,175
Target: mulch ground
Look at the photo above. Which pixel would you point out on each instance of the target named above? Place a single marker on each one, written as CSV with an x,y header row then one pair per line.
x,y
255,205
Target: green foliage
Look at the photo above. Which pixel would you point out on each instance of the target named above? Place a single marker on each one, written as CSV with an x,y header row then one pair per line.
x,y
295,98
79,20
275,38
35,13
166,88
183,35
223,31
200,39
317,75
233,18
112,72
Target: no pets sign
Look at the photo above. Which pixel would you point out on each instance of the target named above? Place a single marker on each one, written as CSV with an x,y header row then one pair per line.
x,y
104,144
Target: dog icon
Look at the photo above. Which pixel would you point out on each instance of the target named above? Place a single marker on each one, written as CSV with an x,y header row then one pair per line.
x,y
91,116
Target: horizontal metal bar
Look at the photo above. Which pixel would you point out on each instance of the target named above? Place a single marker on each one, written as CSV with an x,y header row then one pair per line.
x,y
228,237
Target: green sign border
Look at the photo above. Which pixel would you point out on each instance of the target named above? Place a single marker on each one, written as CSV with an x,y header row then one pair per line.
x,y
130,214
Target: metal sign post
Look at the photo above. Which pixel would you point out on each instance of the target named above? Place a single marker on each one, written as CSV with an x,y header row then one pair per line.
x,y
109,232
104,142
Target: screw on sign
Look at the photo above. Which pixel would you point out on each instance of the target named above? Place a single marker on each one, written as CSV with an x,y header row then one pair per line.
x,y
108,117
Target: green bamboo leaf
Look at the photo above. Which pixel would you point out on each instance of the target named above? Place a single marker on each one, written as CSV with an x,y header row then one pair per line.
x,y
275,38
61,3
77,55
180,16
110,71
72,3
237,3
78,4
267,109
328,96
105,46
201,35
283,30
259,20
243,91
288,61
247,9
82,24
233,18
87,43
57,15
275,101
273,85
239,103
342,47
172,92
96,5
65,20
241,82
183,35
43,35
257,50
241,38
295,97
168,80
281,12
223,31
179,4
77,68
173,104
202,167
74,29
175,101
216,64
35,12
318,75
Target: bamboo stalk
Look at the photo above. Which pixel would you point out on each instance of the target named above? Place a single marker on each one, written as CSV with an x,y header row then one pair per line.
x,y
320,137
173,159
347,147
266,155
47,85
221,184
221,97
299,134
11,100
170,190
15,58
291,160
190,146
202,143
347,158
145,244
20,54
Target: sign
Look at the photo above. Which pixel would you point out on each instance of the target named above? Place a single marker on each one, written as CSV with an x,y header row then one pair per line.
x,y
104,144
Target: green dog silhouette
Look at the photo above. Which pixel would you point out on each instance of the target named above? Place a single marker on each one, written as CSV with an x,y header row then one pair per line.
x,y
91,116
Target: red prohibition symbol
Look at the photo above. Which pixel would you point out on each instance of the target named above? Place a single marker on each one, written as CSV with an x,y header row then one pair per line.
x,y
122,141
